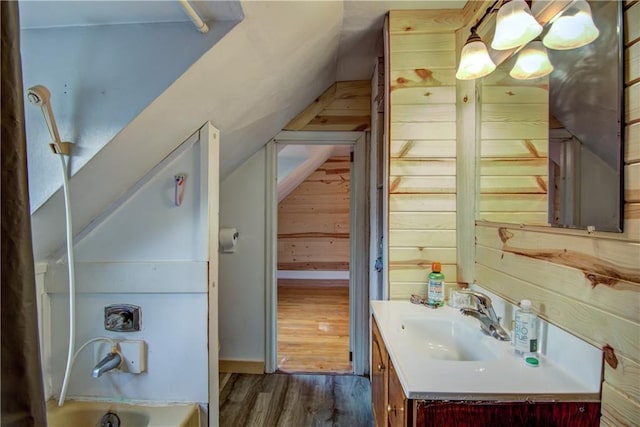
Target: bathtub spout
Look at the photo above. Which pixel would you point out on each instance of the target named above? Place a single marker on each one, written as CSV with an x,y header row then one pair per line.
x,y
110,361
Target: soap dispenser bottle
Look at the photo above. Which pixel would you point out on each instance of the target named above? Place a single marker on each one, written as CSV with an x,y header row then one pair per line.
x,y
526,331
435,288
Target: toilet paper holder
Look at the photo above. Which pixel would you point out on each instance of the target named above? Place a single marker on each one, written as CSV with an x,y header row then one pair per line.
x,y
228,239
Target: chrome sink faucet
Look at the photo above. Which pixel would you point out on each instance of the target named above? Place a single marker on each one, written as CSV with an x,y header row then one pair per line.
x,y
489,321
111,361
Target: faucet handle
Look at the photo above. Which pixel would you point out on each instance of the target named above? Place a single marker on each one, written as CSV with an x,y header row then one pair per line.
x,y
482,300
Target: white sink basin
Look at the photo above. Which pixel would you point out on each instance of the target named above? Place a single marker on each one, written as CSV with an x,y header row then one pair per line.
x,y
441,339
441,354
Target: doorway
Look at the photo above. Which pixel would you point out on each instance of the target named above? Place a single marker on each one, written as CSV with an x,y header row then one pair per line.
x,y
313,258
317,269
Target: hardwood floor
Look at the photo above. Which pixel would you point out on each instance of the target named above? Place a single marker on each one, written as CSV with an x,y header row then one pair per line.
x,y
295,401
313,326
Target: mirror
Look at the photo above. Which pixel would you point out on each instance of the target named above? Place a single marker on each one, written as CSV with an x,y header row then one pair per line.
x,y
551,148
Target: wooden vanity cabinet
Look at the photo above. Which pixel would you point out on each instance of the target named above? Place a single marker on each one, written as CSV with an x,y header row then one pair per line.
x,y
392,408
379,376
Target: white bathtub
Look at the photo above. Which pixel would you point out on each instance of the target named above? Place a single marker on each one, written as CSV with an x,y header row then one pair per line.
x,y
89,414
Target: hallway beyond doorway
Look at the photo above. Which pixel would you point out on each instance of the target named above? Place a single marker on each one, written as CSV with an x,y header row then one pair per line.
x,y
313,326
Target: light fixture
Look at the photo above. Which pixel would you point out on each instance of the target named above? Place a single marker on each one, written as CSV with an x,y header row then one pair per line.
x,y
532,63
573,29
475,61
515,26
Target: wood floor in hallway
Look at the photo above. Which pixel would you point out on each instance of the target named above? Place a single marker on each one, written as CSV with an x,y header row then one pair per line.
x,y
313,326
284,400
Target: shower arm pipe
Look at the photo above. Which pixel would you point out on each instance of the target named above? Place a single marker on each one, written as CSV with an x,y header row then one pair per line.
x,y
194,16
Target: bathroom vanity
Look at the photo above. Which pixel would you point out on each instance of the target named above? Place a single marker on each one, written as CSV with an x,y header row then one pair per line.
x,y
436,368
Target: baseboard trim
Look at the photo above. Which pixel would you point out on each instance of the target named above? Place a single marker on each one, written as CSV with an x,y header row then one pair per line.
x,y
241,366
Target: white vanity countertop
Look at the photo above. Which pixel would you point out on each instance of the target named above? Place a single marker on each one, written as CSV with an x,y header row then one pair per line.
x,y
503,376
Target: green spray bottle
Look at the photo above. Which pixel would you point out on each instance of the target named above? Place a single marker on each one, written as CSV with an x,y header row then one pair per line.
x,y
435,287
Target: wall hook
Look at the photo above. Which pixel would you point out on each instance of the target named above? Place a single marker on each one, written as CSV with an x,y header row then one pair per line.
x,y
178,190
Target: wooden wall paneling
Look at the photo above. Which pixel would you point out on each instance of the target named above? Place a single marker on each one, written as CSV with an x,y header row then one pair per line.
x,y
422,77
416,113
618,407
632,103
422,203
422,184
584,321
515,217
513,203
319,104
413,220
422,169
313,220
423,95
421,130
415,238
631,27
417,148
632,143
513,149
625,376
344,106
422,255
528,148
410,42
513,167
632,183
632,64
618,297
419,274
424,21
514,184
596,253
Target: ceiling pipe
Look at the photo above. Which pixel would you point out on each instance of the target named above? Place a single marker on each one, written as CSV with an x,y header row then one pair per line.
x,y
194,16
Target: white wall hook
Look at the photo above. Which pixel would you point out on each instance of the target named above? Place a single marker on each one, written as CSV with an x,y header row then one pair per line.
x,y
178,191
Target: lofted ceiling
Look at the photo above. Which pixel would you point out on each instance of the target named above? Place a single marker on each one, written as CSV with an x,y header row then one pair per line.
x,y
250,84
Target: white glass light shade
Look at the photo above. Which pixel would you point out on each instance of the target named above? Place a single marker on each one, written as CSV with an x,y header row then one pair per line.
x,y
475,61
532,63
572,31
515,26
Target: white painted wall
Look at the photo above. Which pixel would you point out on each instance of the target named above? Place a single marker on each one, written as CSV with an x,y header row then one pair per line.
x,y
151,253
242,274
100,78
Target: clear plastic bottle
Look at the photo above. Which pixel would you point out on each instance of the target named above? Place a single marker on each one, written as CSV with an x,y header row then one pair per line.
x,y
526,330
435,287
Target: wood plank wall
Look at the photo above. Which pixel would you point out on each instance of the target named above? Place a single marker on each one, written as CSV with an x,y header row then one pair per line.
x,y
345,106
422,181
514,148
588,284
313,221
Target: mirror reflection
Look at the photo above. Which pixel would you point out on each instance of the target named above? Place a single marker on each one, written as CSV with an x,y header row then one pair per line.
x,y
551,147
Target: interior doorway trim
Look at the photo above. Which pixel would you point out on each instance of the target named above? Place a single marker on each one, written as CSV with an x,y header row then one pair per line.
x,y
359,247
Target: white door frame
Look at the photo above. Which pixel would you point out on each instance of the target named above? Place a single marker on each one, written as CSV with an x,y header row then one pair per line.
x,y
359,243
210,139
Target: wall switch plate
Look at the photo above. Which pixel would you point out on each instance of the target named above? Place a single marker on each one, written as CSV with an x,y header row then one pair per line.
x,y
134,353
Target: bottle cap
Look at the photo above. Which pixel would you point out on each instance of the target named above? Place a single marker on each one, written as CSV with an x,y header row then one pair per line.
x,y
531,361
525,303
436,266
